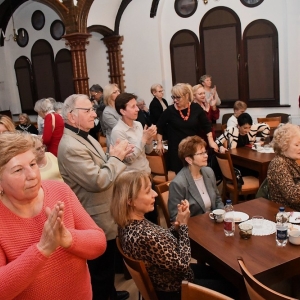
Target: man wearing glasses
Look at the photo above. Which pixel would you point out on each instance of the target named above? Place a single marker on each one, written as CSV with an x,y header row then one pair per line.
x,y
90,174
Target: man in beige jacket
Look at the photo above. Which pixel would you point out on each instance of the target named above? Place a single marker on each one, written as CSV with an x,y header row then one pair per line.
x,y
91,174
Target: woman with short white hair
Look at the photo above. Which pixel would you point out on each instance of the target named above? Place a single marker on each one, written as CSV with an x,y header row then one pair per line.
x,y
53,124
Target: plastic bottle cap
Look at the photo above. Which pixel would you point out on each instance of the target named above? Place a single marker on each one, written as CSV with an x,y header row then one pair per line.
x,y
281,208
228,201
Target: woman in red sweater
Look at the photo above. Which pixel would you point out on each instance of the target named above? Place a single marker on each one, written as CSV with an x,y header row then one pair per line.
x,y
53,125
46,236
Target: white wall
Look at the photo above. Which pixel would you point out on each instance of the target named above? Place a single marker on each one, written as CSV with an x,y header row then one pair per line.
x,y
96,59
9,95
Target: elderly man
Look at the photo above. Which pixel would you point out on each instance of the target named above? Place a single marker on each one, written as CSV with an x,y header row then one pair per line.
x,y
86,169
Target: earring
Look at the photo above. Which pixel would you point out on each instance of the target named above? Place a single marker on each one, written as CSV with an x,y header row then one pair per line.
x,y
1,193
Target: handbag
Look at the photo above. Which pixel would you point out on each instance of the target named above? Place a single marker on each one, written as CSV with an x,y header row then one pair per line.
x,y
239,178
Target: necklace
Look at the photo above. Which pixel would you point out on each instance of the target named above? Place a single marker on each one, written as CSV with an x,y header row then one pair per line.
x,y
185,118
199,183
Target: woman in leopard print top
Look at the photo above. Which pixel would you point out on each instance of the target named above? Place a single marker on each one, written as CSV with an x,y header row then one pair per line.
x,y
165,252
284,172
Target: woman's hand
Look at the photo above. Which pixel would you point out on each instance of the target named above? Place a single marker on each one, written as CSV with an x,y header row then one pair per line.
x,y
222,149
213,145
54,233
149,133
183,214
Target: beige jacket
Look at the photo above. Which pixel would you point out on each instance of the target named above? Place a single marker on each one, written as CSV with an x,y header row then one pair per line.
x,y
90,175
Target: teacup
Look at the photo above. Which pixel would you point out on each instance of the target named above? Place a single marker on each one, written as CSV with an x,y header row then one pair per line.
x,y
257,146
217,215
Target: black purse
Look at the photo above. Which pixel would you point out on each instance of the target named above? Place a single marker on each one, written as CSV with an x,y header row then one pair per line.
x,y
239,178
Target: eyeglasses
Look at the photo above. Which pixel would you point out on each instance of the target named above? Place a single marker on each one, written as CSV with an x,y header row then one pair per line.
x,y
87,110
176,97
201,153
42,148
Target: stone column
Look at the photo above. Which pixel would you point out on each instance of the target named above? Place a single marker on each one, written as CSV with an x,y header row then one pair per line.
x,y
77,43
113,44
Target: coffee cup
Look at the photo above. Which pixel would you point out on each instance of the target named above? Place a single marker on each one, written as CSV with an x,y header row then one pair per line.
x,y
217,215
257,146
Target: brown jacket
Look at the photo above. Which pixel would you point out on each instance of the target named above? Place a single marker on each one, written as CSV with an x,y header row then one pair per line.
x,y
90,175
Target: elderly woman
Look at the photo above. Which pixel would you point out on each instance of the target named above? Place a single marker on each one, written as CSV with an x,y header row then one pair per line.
x,y
46,161
284,171
165,252
158,103
25,125
110,117
132,131
46,235
53,124
195,182
182,119
242,135
6,124
210,93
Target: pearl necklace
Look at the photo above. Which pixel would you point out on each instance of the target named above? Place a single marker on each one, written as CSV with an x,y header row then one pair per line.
x,y
185,118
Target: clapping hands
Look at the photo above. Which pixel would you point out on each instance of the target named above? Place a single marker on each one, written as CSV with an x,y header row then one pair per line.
x,y
54,233
183,214
149,133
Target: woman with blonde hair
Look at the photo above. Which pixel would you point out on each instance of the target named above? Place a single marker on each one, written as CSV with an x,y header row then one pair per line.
x,y
45,231
183,118
165,252
46,161
6,124
25,125
110,117
284,171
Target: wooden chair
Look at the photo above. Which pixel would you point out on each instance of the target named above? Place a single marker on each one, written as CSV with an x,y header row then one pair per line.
x,y
139,275
162,190
272,122
284,117
102,141
256,290
191,291
225,118
158,168
251,183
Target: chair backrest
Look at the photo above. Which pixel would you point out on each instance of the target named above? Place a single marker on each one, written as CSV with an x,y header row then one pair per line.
x,y
272,122
191,291
284,117
162,190
139,274
157,164
225,117
102,140
256,290
226,166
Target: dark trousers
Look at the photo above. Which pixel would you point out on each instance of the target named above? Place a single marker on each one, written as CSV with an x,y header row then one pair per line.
x,y
102,271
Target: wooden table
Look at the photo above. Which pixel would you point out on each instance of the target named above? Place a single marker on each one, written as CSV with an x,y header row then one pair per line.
x,y
267,262
253,160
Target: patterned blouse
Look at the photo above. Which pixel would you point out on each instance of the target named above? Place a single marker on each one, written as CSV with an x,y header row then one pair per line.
x,y
284,181
231,135
166,256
